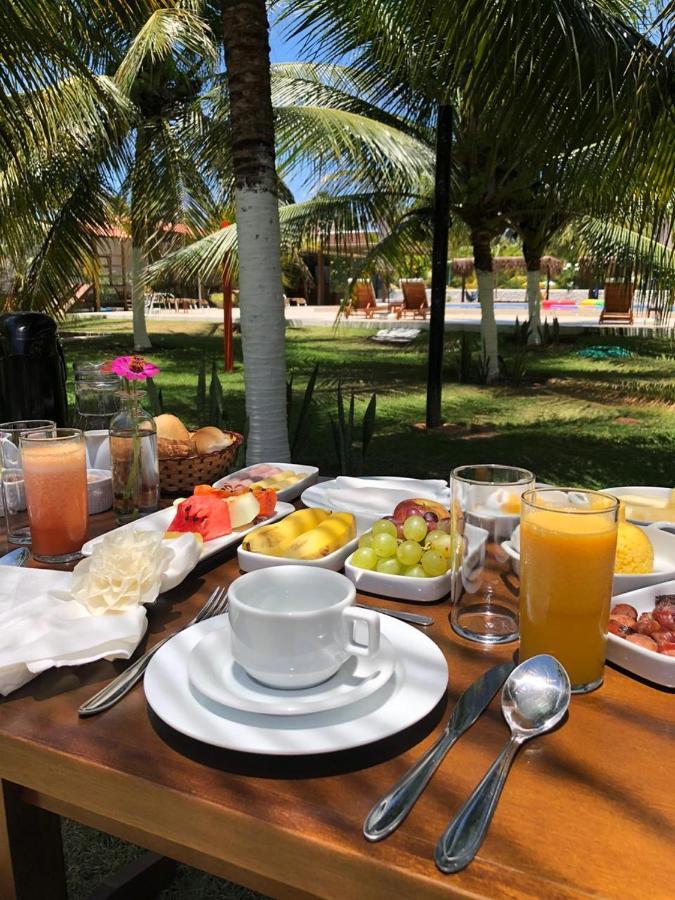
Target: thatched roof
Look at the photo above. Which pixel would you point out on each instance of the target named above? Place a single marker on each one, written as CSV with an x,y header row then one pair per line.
x,y
464,265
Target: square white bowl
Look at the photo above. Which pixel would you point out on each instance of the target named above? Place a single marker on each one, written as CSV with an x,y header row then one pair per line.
x,y
249,561
401,587
656,493
310,473
647,664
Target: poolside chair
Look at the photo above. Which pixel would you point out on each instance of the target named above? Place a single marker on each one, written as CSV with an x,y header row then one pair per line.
x,y
414,299
618,305
363,299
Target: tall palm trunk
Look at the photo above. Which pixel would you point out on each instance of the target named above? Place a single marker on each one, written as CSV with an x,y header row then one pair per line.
x,y
261,306
138,265
138,259
533,265
485,276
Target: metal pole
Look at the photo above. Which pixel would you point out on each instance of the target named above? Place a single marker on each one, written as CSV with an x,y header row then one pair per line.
x,y
439,264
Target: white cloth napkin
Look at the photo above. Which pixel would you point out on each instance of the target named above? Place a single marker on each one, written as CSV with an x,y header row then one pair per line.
x,y
41,625
379,496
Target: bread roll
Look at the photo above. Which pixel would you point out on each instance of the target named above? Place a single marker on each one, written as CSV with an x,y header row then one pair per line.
x,y
171,428
210,438
167,449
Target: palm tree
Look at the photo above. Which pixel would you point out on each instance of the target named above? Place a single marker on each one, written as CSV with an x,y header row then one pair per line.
x,y
141,148
246,40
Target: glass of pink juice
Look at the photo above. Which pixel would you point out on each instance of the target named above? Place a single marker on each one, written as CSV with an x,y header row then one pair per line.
x,y
55,478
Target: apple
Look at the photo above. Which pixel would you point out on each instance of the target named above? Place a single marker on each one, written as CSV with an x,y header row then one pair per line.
x,y
418,506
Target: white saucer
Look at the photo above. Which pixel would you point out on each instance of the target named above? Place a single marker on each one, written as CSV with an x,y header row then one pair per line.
x,y
216,676
418,682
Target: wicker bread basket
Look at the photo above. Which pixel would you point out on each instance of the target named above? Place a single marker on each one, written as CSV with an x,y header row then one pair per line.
x,y
180,475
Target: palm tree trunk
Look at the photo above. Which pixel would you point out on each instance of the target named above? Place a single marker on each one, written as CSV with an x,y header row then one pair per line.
x,y
533,294
245,30
138,264
485,276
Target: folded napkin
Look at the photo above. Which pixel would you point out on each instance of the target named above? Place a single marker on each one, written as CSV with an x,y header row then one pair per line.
x,y
379,496
42,624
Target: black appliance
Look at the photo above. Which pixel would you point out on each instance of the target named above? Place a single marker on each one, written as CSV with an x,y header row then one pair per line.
x,y
32,369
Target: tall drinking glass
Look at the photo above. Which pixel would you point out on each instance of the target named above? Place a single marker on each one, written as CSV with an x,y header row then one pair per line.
x,y
12,493
484,512
55,475
567,552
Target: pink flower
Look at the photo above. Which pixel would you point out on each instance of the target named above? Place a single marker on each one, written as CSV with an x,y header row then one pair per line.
x,y
134,368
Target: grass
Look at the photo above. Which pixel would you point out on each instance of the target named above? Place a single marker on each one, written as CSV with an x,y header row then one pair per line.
x,y
573,420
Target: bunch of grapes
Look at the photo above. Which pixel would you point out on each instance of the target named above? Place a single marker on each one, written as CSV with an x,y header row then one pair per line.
x,y
410,549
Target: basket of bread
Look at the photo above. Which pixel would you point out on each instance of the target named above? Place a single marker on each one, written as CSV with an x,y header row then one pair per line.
x,y
188,457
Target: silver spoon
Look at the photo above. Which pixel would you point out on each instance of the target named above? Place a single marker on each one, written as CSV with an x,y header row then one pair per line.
x,y
534,699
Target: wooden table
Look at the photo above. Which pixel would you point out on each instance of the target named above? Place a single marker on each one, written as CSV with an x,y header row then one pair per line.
x,y
588,810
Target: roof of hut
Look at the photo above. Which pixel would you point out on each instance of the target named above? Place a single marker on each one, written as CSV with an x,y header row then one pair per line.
x,y
464,265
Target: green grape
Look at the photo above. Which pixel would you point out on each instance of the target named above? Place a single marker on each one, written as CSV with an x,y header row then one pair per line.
x,y
444,545
384,526
365,558
366,540
409,553
415,572
389,566
434,563
414,528
384,545
435,536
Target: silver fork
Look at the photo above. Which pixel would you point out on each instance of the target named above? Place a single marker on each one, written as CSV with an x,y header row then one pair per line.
x,y
120,686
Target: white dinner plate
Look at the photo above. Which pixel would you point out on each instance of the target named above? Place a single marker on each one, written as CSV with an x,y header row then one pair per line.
x,y
216,676
419,681
160,521
249,561
663,543
647,664
310,474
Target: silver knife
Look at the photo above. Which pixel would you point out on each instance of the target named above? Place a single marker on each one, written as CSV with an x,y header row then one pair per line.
x,y
391,810
15,557
412,618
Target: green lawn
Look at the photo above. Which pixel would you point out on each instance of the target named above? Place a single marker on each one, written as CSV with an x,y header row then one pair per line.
x,y
566,421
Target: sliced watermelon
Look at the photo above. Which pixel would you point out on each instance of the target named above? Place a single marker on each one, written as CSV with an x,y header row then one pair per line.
x,y
205,514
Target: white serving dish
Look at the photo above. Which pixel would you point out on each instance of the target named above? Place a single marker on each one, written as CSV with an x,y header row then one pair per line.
x,y
654,667
97,445
326,494
401,587
664,561
99,490
658,493
289,493
419,682
160,521
249,562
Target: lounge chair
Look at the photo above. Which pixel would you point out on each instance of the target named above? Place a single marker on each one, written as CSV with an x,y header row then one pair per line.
x,y
414,299
363,300
618,305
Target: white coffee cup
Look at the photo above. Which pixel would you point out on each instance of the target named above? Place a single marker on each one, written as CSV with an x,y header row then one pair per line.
x,y
294,626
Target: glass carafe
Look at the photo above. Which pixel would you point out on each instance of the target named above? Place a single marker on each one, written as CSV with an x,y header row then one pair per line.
x,y
96,397
133,452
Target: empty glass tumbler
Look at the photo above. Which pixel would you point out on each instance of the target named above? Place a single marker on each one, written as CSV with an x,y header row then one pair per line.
x,y
485,512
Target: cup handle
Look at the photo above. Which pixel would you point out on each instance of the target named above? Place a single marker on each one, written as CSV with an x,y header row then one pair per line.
x,y
372,620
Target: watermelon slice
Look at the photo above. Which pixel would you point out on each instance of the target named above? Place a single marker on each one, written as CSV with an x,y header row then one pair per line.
x,y
205,514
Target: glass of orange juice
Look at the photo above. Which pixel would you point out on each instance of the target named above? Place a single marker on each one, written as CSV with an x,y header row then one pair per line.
x,y
567,553
55,479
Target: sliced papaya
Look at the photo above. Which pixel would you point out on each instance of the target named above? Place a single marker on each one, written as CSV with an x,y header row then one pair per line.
x,y
267,498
